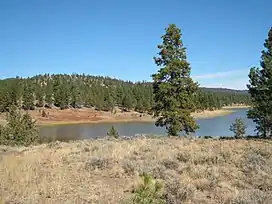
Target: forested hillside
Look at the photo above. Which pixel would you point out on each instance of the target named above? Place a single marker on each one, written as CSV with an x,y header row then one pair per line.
x,y
103,93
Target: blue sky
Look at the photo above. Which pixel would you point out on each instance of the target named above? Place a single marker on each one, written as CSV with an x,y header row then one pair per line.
x,y
119,38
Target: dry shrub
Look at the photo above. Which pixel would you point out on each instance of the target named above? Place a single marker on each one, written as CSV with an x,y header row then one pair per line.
x,y
177,193
130,167
159,171
254,162
204,184
253,197
183,157
170,164
94,148
99,163
209,158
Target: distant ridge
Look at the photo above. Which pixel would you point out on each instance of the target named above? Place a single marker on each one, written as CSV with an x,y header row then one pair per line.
x,y
226,90
222,90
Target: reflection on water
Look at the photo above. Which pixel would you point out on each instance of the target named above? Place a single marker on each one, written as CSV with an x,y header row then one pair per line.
x,y
218,126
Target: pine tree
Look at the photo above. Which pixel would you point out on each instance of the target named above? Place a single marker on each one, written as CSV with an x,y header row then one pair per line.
x,y
2,101
113,133
39,95
238,127
98,98
11,93
173,87
119,95
65,95
19,130
128,101
108,103
28,96
140,105
89,98
61,94
49,95
75,96
260,89
150,191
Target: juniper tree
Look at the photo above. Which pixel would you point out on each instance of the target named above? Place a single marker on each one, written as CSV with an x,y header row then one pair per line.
x,y
173,87
260,89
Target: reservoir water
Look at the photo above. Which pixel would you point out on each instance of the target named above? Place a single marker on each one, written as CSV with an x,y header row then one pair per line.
x,y
217,126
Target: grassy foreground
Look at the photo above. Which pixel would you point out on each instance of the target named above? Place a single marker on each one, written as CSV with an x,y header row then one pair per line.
x,y
105,171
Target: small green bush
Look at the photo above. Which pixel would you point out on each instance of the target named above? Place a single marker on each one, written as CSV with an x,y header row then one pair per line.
x,y
113,133
238,127
19,130
149,192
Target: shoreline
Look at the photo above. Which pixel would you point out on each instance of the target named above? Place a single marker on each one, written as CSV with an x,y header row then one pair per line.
x,y
89,116
236,107
199,115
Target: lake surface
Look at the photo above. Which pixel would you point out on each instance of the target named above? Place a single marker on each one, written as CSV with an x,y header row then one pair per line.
x,y
217,126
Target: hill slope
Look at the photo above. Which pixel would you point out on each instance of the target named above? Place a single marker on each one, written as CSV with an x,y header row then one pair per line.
x,y
75,91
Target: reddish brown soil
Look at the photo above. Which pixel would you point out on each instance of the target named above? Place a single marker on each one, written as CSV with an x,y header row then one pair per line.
x,y
85,115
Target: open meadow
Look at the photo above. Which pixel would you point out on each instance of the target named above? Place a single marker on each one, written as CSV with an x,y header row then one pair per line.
x,y
107,170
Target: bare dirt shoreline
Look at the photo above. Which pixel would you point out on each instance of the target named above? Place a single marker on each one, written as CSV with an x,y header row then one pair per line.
x,y
105,171
89,115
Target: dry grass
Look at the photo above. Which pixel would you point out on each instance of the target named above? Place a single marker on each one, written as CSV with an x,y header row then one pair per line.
x,y
105,171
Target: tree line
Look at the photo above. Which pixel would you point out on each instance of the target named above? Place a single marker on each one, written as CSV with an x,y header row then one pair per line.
x,y
103,93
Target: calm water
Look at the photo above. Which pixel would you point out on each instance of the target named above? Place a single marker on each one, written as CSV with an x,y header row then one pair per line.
x,y
218,126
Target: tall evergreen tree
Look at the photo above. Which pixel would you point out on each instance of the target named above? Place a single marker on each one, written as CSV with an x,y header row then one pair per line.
x,y
260,89
76,101
28,96
129,101
108,101
39,95
173,87
10,93
61,94
49,95
2,95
